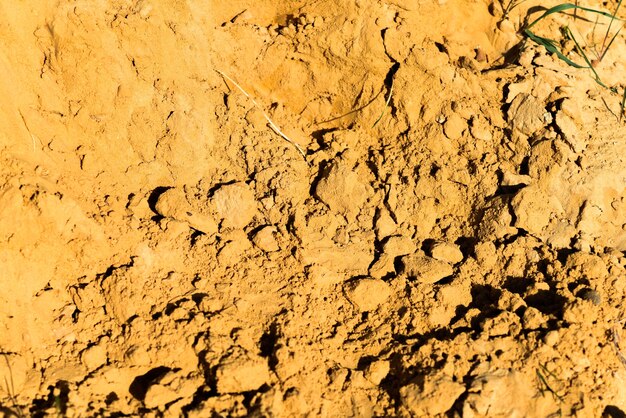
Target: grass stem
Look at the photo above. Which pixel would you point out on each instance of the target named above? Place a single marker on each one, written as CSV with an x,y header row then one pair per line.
x,y
272,125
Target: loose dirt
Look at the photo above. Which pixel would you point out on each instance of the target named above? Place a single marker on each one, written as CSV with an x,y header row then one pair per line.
x,y
453,244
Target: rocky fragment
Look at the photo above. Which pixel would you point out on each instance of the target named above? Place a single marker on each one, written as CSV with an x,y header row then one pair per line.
x,y
454,126
435,396
159,395
383,266
534,209
591,295
384,225
578,312
94,357
169,388
377,371
426,269
398,245
173,204
481,129
241,372
533,319
527,114
505,323
367,294
236,243
235,203
353,259
506,394
586,264
341,189
496,220
566,121
513,179
445,251
265,239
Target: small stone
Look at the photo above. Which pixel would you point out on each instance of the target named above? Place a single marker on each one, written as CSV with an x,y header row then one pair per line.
x,y
591,295
256,118
566,121
173,227
578,312
501,393
534,209
569,130
235,245
383,266
384,224
377,371
239,373
496,220
398,245
341,189
426,269
506,323
486,254
265,239
526,114
480,129
367,294
551,338
444,251
236,204
480,55
159,395
587,264
436,396
533,319
454,126
173,204
513,179
94,357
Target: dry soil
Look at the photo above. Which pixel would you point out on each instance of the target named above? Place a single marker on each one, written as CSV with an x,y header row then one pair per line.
x,y
452,243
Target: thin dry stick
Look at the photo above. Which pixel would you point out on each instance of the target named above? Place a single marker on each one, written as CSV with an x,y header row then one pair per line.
x,y
352,111
269,121
32,137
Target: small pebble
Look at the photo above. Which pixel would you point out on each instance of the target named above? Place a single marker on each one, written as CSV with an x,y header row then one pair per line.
x,y
590,295
367,294
444,251
551,338
265,239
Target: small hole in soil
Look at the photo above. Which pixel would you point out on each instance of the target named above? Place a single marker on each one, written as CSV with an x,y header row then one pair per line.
x,y
139,387
441,47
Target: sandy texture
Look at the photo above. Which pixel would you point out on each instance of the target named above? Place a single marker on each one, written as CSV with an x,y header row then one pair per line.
x,y
164,252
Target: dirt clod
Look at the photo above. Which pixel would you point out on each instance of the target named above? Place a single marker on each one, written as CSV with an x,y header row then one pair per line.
x,y
426,269
241,373
367,294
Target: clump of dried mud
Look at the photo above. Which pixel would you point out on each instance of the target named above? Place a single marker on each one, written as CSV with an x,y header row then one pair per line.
x,y
165,253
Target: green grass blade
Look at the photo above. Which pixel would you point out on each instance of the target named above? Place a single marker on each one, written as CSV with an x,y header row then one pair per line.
x,y
623,105
609,28
549,45
582,54
606,49
568,6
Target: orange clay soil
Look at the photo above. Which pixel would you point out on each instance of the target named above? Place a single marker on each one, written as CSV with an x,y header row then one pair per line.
x,y
453,244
